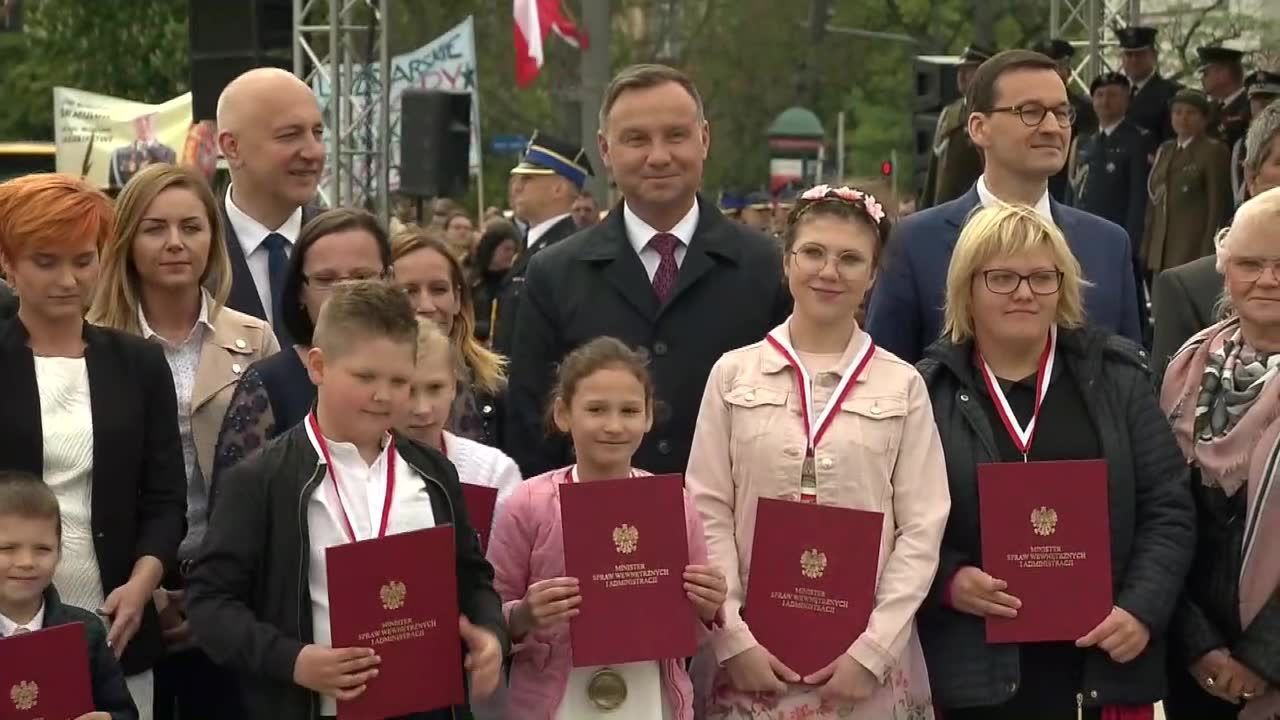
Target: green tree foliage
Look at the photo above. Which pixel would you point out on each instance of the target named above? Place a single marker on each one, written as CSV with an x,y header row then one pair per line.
x,y
135,49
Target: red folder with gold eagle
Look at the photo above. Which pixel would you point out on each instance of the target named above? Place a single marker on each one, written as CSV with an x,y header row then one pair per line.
x,y
399,595
626,542
45,674
1046,532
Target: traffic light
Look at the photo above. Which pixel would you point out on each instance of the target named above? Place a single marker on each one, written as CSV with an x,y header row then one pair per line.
x,y
886,168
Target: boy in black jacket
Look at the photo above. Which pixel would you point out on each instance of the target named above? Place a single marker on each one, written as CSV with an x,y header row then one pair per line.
x,y
30,547
258,594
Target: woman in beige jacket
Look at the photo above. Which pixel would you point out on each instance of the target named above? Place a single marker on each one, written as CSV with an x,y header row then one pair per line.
x,y
876,449
165,276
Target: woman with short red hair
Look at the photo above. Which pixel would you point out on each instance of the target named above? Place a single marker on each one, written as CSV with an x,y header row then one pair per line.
x,y
93,412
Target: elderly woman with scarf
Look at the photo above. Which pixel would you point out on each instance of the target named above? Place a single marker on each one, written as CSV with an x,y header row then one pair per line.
x,y
1222,395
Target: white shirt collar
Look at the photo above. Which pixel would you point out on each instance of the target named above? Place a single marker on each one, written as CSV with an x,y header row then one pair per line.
x,y
1182,144
7,626
201,321
1042,208
1232,97
1139,84
1112,127
640,232
537,231
344,450
251,233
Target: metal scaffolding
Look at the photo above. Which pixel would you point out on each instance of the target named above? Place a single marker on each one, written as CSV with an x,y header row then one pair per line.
x,y
1087,25
335,45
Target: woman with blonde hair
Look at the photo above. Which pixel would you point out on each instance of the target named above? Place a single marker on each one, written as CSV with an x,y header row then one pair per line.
x,y
1018,376
1221,394
437,286
165,277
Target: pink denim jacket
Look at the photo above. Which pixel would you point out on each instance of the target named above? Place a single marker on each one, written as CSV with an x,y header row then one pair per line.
x,y
527,546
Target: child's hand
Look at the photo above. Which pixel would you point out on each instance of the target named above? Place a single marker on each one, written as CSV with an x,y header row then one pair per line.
x,y
706,587
484,658
338,673
546,604
95,716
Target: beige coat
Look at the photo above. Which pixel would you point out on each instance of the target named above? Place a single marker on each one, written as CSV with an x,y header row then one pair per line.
x,y
1189,199
881,453
237,341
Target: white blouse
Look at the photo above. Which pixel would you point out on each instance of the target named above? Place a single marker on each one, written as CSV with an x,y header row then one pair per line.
x,y
66,421
479,464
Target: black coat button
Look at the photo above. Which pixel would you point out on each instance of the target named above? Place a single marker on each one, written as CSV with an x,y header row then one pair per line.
x,y
659,348
664,447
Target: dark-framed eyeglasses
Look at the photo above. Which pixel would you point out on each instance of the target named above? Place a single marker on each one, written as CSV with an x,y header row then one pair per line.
x,y
1006,282
328,282
812,259
1032,114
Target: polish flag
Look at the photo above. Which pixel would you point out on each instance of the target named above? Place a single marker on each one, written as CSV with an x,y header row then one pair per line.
x,y
533,20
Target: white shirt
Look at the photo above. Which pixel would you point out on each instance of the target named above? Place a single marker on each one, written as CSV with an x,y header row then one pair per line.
x,y
1232,97
1182,144
9,627
987,198
1112,127
251,233
479,464
537,231
640,233
363,490
1139,84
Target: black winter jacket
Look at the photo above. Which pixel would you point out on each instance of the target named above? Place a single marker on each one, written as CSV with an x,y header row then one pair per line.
x,y
249,602
1152,520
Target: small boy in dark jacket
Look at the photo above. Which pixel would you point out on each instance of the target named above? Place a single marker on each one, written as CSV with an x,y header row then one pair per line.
x,y
30,548
258,594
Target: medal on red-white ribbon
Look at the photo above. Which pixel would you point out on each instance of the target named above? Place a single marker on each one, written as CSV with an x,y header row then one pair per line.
x,y
333,476
816,426
1022,435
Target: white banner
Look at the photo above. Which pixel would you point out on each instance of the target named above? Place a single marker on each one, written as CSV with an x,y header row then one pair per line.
x,y
447,63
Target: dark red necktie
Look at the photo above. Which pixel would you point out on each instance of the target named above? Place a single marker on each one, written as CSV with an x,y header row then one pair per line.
x,y
664,280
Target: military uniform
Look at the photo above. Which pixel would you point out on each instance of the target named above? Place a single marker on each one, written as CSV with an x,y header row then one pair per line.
x,y
128,160
1109,176
1149,106
1190,195
1230,118
1264,85
954,163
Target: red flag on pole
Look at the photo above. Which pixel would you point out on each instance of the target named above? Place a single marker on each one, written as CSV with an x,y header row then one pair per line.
x,y
534,19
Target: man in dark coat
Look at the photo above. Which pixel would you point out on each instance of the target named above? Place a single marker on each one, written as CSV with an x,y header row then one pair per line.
x,y
665,271
1061,52
269,131
1222,76
1151,92
543,187
1022,151
954,162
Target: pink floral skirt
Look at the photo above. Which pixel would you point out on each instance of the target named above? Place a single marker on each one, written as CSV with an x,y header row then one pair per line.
x,y
903,696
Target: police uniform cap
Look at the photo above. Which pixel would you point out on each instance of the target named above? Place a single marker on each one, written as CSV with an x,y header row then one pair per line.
x,y
1136,37
547,155
1055,49
975,54
1263,82
1218,55
1109,78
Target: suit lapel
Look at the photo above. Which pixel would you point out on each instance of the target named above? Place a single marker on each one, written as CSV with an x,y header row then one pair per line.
x,y
710,241
23,440
244,293
957,212
222,358
622,267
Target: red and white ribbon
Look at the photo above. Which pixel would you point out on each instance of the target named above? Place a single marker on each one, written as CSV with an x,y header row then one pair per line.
x,y
337,493
1020,434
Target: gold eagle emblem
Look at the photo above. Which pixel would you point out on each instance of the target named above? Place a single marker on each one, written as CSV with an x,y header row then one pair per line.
x,y
626,538
25,695
1044,520
393,594
813,563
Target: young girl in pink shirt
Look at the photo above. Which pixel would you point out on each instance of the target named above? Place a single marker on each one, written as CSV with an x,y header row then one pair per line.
x,y
603,399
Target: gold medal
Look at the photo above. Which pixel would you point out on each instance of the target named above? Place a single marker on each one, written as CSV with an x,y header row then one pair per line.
x,y
808,477
607,690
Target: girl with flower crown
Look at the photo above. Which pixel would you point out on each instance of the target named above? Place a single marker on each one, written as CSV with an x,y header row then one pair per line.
x,y
817,413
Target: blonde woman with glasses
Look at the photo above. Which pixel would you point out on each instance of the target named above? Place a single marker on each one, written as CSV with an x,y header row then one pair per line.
x,y
1018,377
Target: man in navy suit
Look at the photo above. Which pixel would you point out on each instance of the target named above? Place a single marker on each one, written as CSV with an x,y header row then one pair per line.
x,y
1022,123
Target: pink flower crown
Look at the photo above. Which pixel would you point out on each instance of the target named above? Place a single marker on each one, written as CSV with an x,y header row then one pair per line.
x,y
847,194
